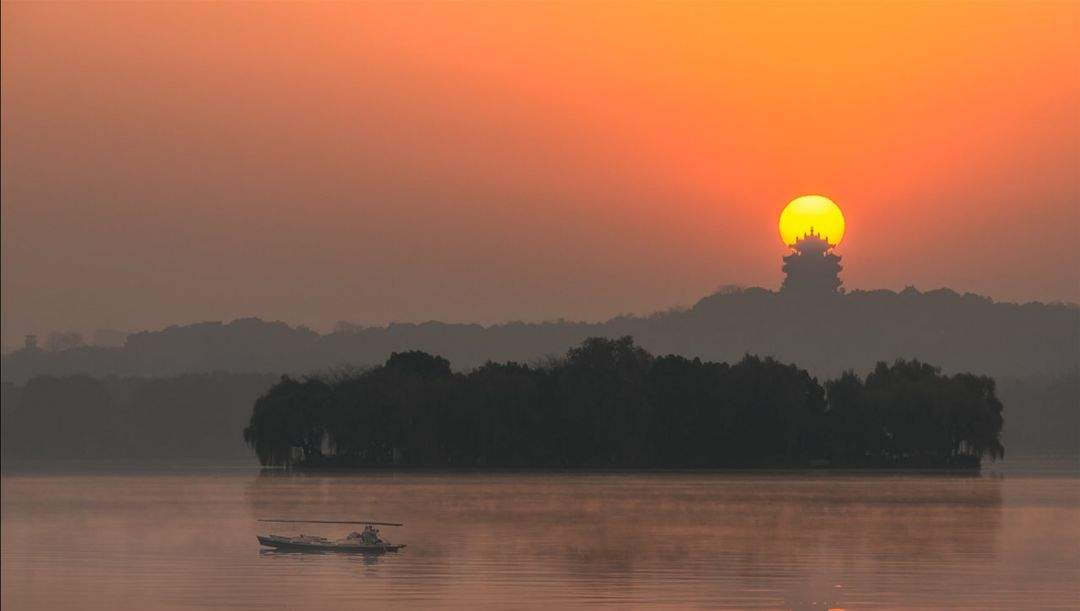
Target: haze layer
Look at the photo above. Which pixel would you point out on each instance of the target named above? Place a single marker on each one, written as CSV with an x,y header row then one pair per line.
x,y
173,163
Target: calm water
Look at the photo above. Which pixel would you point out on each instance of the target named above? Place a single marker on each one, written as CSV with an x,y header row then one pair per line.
x,y
737,540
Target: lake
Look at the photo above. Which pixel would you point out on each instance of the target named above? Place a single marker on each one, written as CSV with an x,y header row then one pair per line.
x,y
169,539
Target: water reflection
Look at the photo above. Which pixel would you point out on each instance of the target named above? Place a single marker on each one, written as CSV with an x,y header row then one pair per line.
x,y
785,533
735,540
366,558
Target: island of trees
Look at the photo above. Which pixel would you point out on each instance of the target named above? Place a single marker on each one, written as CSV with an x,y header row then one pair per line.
x,y
611,404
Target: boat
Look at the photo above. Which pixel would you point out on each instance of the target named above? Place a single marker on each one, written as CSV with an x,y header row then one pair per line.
x,y
365,541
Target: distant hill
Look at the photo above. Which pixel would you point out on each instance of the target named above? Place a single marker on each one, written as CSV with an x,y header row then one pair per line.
x,y
825,334
190,388
187,418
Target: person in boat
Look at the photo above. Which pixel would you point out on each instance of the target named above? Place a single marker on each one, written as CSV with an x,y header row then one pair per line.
x,y
370,536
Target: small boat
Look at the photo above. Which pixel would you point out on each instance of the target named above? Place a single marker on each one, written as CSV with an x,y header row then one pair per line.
x,y
365,541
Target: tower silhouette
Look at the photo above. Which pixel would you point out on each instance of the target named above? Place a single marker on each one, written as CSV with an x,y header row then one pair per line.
x,y
812,268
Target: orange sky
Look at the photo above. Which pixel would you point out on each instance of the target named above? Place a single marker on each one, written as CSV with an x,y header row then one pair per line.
x,y
499,161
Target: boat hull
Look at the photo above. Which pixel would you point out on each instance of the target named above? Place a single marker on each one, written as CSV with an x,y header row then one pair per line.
x,y
294,545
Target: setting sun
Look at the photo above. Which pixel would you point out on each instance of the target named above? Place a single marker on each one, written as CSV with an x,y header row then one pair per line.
x,y
815,212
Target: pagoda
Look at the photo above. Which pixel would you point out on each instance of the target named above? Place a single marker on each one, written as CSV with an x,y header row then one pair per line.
x,y
812,267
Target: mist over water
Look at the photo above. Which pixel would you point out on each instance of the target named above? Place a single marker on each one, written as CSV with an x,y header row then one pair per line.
x,y
159,539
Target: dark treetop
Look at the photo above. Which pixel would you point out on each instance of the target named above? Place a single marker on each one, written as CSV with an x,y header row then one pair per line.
x,y
610,403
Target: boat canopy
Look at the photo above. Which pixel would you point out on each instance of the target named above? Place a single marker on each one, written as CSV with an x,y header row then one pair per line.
x,y
371,522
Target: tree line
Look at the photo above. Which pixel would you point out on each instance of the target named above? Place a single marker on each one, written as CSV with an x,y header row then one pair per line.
x,y
610,403
195,417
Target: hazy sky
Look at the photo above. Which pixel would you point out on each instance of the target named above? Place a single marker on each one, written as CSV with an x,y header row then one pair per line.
x,y
490,162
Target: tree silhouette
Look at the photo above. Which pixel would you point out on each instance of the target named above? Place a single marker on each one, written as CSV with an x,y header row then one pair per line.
x,y
610,403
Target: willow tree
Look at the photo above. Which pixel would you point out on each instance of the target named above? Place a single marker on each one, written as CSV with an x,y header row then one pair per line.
x,y
287,425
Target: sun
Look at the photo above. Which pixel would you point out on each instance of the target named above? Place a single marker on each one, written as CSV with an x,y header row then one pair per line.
x,y
815,212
